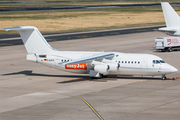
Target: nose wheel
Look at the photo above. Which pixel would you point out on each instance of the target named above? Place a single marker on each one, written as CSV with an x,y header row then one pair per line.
x,y
164,77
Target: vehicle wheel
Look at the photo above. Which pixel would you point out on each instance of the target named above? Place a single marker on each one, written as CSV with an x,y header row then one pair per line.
x,y
166,50
170,49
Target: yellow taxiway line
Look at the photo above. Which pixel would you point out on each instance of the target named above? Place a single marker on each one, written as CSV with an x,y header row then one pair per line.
x,y
87,103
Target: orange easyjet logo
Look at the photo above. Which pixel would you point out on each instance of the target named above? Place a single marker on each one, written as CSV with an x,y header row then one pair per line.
x,y
80,66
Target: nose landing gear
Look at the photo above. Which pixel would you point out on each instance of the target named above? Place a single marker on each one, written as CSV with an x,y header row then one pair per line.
x,y
164,77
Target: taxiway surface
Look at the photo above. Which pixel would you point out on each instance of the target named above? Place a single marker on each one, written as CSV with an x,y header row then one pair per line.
x,y
32,91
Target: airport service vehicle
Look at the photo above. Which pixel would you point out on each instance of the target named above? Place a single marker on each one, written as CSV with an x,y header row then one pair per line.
x,y
96,64
172,20
167,43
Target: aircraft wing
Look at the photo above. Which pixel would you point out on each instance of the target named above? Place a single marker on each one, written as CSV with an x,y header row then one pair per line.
x,y
91,58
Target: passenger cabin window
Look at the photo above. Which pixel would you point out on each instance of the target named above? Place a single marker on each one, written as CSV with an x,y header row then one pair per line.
x,y
132,62
138,62
128,61
125,61
122,61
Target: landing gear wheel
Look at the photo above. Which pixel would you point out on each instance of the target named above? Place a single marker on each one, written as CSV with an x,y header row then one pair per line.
x,y
100,76
163,77
104,76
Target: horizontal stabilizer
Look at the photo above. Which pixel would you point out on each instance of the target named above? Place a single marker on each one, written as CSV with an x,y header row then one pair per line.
x,y
167,29
19,28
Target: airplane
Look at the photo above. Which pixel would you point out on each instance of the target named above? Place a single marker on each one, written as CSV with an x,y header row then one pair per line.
x,y
96,64
172,20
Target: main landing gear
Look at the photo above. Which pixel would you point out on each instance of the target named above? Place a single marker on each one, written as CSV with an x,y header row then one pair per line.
x,y
99,77
164,77
95,75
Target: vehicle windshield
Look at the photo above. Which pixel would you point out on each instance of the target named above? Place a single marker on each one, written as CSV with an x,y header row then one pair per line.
x,y
158,61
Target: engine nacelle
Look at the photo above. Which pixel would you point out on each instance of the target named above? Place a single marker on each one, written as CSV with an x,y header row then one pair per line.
x,y
102,68
114,66
106,67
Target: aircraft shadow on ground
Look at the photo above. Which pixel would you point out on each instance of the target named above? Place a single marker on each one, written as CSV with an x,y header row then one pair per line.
x,y
82,78
30,73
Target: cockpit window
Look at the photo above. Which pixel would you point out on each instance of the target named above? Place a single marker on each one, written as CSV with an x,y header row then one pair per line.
x,y
162,61
158,61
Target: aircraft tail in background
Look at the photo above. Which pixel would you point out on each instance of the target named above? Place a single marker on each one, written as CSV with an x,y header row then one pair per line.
x,y
172,20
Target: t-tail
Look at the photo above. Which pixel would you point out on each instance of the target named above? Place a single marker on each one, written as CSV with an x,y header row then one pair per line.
x,y
33,40
172,20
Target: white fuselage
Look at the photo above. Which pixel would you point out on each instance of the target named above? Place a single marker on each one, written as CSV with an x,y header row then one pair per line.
x,y
130,64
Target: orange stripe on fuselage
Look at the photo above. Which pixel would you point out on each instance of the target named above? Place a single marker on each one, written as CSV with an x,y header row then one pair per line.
x,y
79,66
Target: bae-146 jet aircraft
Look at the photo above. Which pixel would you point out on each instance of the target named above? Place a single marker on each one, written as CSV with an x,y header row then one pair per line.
x,y
96,64
172,20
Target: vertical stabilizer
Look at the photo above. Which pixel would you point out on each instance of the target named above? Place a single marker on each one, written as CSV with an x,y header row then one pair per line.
x,y
33,40
171,17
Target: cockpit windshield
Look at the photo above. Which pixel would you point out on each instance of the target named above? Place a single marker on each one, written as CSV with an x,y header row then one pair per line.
x,y
162,61
158,61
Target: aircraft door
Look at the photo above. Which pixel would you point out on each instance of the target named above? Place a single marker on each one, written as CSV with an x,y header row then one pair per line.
x,y
57,61
144,63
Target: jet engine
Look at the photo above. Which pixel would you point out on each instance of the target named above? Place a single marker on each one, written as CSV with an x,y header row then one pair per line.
x,y
102,68
105,67
114,66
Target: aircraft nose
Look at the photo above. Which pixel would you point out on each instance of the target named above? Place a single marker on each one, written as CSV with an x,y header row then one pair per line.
x,y
173,69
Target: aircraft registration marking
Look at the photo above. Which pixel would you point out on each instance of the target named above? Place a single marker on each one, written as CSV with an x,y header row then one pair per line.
x,y
49,60
80,66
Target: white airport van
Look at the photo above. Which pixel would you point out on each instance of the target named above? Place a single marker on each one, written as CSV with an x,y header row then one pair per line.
x,y
167,43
